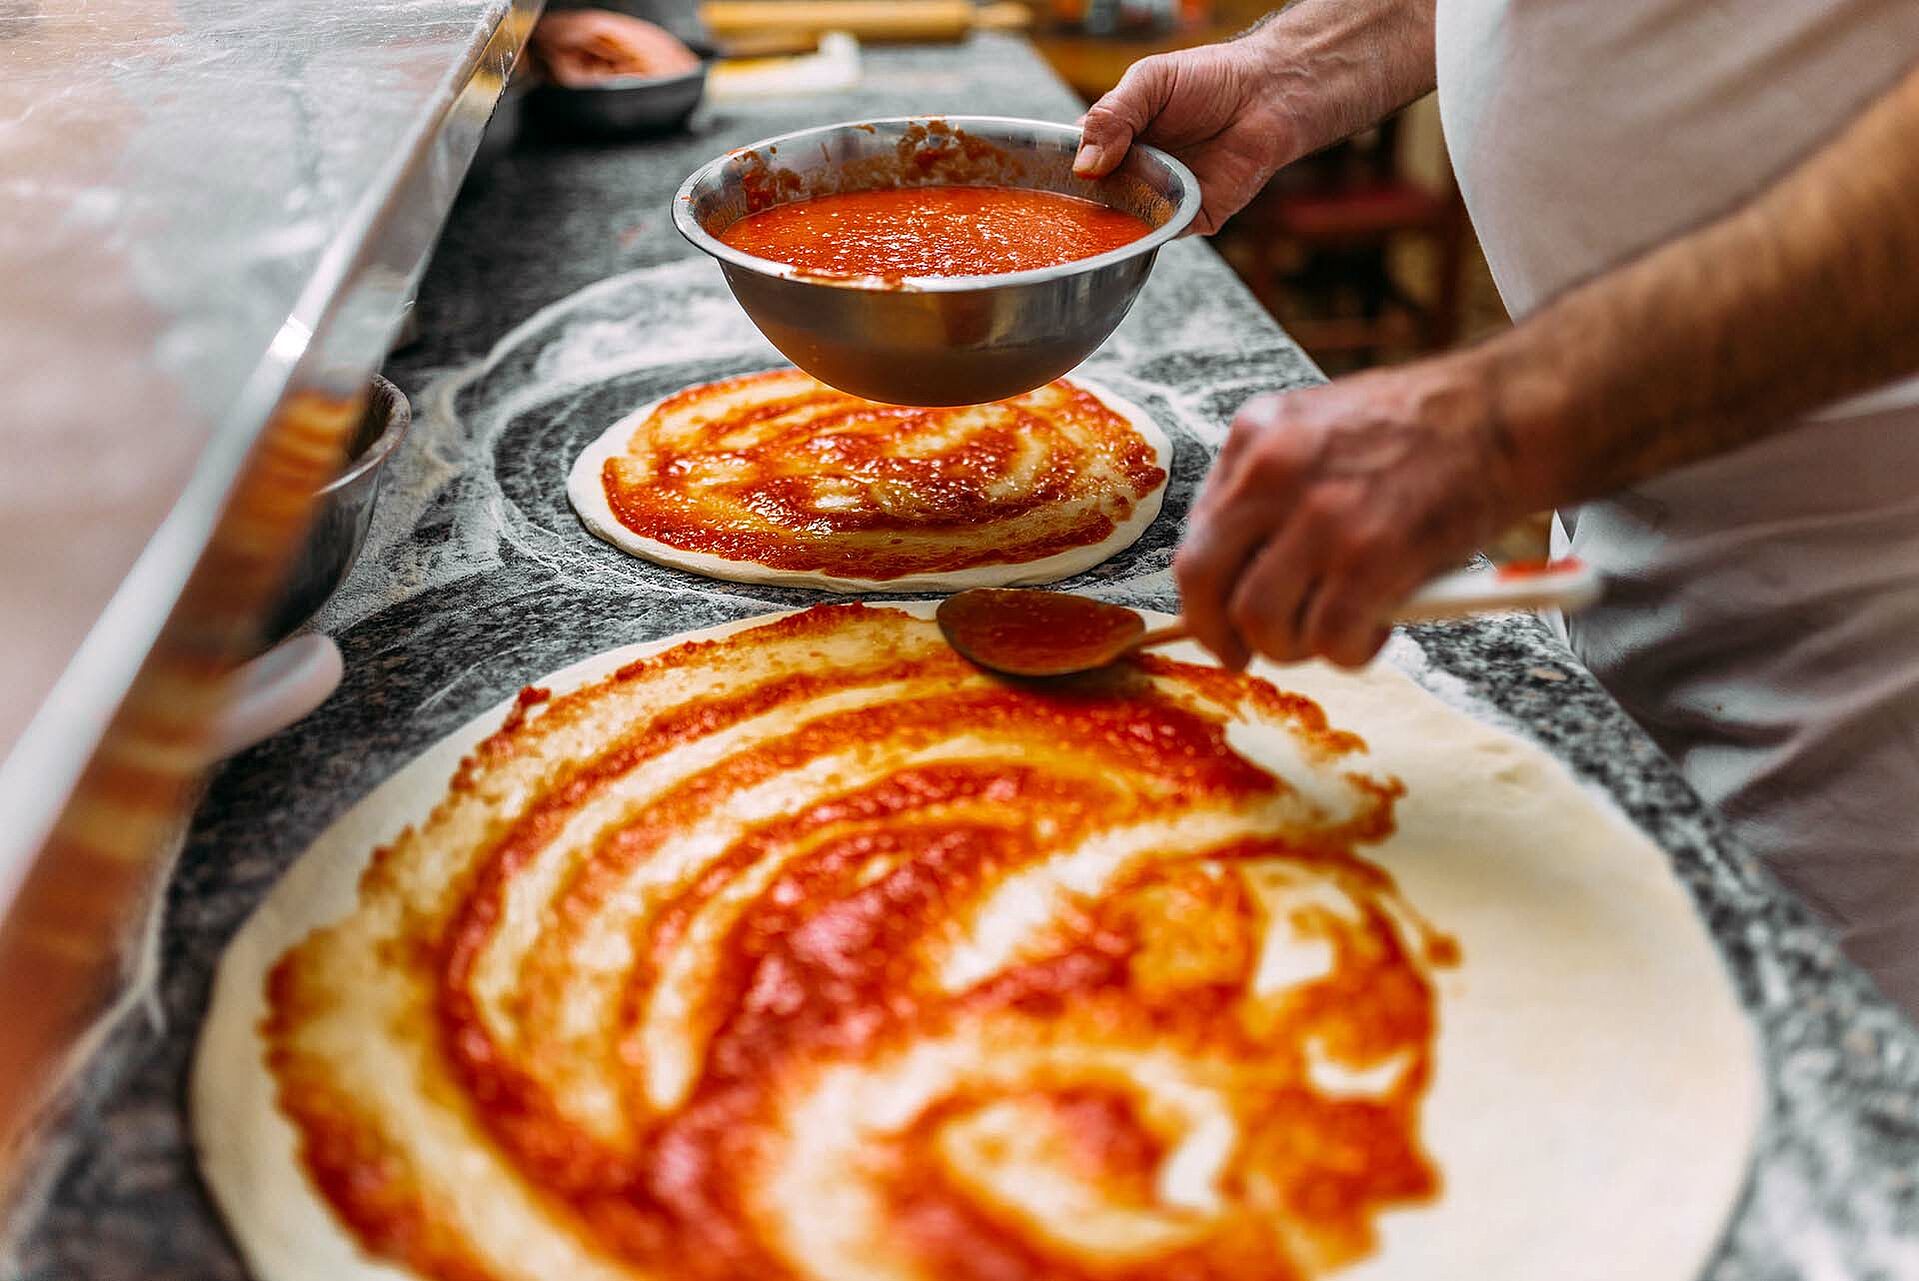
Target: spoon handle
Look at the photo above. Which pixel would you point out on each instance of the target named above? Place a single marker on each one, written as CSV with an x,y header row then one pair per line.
x,y
1567,584
1177,630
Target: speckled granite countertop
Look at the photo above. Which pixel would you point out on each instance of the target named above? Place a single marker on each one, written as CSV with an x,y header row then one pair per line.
x,y
560,297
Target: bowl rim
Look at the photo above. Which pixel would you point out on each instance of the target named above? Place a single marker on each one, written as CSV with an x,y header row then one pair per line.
x,y
381,394
1182,217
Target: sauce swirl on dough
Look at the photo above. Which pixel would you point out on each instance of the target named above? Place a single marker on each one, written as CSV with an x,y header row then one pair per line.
x,y
780,470
812,952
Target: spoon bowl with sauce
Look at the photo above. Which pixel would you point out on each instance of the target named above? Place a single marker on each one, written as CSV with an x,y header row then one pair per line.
x,y
934,260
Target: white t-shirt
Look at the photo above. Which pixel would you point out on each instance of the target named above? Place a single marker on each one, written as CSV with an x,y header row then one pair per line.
x,y
1763,615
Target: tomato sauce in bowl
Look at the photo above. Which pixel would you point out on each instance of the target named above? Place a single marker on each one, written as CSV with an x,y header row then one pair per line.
x,y
917,304
934,231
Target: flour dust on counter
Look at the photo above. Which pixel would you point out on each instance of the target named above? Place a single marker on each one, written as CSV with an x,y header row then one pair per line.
x,y
801,946
618,333
774,477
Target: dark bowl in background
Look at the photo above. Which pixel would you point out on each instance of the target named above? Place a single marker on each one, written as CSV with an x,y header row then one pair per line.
x,y
622,106
343,511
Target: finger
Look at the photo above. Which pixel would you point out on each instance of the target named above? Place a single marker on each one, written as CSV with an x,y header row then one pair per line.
x,y
1257,416
1271,601
1245,494
1206,568
1346,623
1350,618
1240,435
1110,125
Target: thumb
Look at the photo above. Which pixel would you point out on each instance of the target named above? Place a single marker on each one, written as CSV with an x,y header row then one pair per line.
x,y
1110,125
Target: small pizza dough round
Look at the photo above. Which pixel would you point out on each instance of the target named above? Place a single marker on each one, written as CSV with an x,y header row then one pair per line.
x,y
1115,493
1586,1029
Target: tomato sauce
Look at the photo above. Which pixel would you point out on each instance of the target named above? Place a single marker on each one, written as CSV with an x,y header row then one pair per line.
x,y
1514,570
934,231
1036,633
832,916
779,470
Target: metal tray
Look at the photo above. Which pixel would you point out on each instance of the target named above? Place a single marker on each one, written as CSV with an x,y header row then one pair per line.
x,y
213,247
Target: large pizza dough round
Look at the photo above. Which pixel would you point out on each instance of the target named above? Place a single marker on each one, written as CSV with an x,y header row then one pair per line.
x,y
1593,1091
1013,543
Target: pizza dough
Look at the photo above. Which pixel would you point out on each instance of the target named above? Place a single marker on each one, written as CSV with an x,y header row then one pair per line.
x,y
813,951
774,477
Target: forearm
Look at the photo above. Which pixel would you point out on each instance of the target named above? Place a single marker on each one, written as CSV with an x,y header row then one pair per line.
x,y
1805,295
1341,66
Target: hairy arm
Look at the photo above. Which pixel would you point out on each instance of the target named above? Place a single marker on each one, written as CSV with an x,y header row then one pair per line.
x,y
1304,78
1328,506
1808,293
1340,66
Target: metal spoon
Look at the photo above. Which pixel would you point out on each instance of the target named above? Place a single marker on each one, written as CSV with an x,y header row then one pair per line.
x,y
1038,633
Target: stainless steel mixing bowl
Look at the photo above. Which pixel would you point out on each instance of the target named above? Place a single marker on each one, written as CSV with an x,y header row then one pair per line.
x,y
934,340
342,513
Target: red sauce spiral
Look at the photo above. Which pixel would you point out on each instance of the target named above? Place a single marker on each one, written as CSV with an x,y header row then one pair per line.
x,y
777,469
812,952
